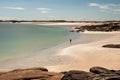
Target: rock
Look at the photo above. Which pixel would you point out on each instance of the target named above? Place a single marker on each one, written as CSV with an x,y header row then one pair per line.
x,y
96,73
105,74
64,72
113,78
56,76
117,72
77,75
27,74
72,31
99,70
2,73
112,46
41,69
102,27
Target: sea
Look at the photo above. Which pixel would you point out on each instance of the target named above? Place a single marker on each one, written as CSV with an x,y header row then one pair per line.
x,y
21,39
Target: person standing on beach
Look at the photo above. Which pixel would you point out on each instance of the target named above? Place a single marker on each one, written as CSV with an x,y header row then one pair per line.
x,y
70,41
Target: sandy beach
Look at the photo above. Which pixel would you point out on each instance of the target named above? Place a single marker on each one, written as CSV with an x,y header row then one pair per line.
x,y
93,54
84,52
85,55
60,40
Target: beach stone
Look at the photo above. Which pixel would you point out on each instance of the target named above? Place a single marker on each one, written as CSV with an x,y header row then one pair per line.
x,y
77,75
96,73
41,69
117,72
99,70
27,74
114,78
112,46
56,76
105,74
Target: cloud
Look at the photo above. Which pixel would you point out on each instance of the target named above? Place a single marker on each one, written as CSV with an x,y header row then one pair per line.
x,y
44,10
93,4
15,8
114,5
112,8
104,7
98,5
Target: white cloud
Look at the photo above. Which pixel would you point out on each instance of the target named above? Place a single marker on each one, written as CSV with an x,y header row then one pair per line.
x,y
93,4
15,8
98,5
114,5
44,10
104,7
111,8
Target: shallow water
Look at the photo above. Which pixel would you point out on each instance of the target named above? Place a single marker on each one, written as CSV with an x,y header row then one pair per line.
x,y
20,39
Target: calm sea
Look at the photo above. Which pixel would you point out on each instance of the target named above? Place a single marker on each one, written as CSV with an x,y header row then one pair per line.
x,y
17,39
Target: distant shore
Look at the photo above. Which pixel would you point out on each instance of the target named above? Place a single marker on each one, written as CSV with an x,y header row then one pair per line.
x,y
70,24
64,23
84,52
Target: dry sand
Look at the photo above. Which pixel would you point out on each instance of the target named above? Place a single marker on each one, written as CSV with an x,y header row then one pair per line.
x,y
91,54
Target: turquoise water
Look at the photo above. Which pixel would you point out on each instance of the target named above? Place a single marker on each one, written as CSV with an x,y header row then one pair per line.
x,y
17,39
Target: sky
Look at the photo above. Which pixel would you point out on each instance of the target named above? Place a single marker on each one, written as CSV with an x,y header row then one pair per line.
x,y
75,10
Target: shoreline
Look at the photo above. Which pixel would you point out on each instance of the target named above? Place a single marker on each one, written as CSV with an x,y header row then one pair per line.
x,y
55,62
64,53
11,62
93,54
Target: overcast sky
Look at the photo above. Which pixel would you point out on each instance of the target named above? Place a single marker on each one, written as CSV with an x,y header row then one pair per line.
x,y
60,9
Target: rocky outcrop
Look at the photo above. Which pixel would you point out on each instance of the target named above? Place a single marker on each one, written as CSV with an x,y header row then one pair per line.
x,y
96,73
112,46
30,74
103,27
78,75
99,70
